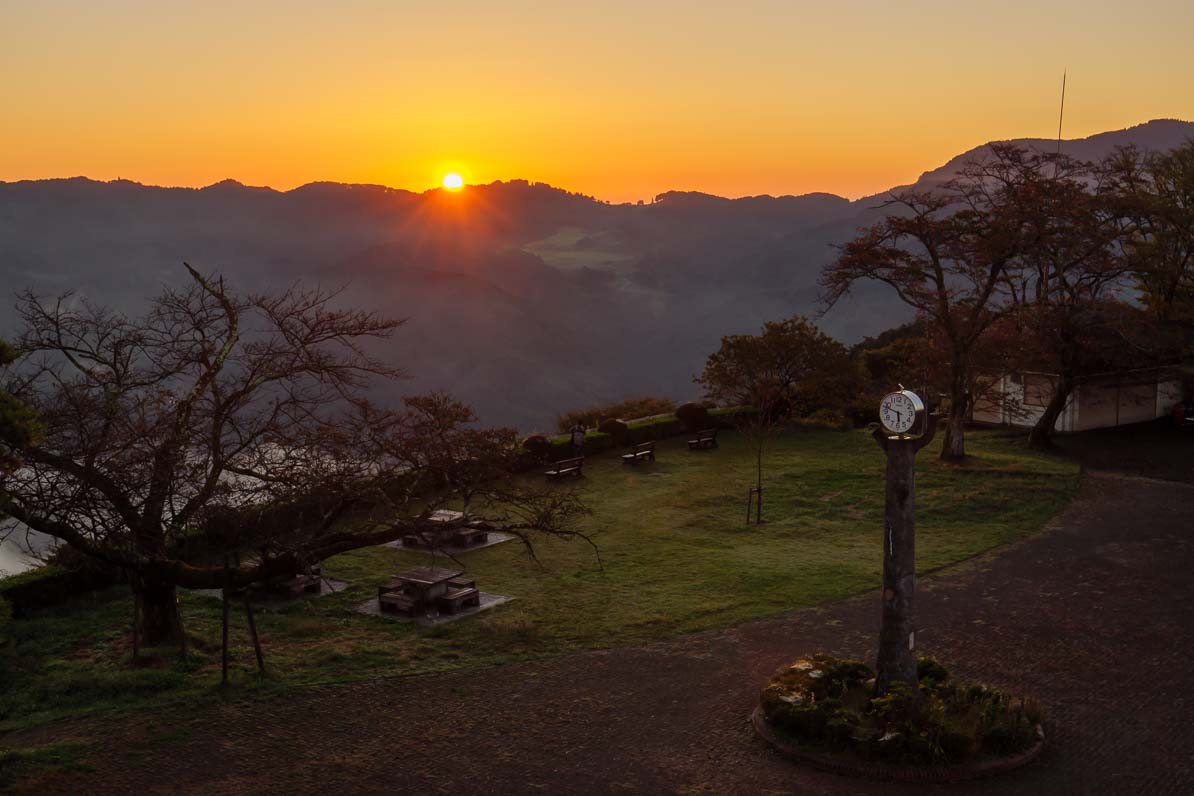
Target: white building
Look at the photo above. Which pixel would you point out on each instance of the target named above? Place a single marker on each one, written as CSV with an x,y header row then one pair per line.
x,y
1100,401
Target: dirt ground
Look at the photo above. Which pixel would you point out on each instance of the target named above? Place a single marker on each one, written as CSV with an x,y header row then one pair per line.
x,y
1095,617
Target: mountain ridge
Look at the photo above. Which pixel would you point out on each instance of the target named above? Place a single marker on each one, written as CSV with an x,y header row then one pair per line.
x,y
1160,132
524,299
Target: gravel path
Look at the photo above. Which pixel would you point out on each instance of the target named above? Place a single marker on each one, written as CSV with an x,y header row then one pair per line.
x,y
1095,616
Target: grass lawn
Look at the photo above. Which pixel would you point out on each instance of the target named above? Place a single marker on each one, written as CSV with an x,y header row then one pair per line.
x,y
677,555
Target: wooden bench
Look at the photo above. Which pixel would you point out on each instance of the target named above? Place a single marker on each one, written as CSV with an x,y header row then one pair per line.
x,y
640,452
566,467
455,599
704,439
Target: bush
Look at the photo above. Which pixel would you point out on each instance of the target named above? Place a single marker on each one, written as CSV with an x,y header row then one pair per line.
x,y
694,416
825,702
825,420
863,411
617,430
931,673
729,416
620,410
537,445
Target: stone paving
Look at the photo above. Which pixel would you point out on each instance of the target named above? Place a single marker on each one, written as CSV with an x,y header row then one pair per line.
x,y
1094,616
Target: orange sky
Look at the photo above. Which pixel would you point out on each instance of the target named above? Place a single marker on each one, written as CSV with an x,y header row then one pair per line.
x,y
621,100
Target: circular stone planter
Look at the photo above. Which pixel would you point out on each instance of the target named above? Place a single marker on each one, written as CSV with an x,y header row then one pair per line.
x,y
851,766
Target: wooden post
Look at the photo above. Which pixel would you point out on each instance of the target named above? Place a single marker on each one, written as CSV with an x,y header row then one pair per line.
x,y
897,633
224,641
182,635
759,486
253,634
754,498
136,624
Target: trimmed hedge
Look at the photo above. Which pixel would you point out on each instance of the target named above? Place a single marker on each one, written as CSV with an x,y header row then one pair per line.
x,y
595,442
49,585
653,428
644,429
631,407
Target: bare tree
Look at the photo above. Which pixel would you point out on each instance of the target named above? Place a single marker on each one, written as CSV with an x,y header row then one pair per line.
x,y
18,424
238,422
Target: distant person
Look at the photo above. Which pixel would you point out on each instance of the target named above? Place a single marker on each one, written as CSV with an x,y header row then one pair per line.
x,y
578,439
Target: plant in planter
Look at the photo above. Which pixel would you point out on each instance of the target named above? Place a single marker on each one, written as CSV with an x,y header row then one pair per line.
x,y
828,706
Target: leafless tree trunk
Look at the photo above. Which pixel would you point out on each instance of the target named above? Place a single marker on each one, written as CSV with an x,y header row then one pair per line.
x,y
1041,435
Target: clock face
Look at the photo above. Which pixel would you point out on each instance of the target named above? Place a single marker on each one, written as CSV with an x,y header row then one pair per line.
x,y
897,412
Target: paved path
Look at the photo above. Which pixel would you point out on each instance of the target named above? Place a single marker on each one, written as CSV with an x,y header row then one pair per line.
x,y
1095,616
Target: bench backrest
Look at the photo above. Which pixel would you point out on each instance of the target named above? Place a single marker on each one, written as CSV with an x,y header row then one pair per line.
x,y
708,433
564,464
644,446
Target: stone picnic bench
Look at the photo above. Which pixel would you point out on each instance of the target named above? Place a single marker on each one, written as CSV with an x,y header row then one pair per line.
x,y
704,439
456,530
419,590
306,582
565,467
640,452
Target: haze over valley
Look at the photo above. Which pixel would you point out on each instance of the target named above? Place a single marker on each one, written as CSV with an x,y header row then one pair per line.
x,y
522,299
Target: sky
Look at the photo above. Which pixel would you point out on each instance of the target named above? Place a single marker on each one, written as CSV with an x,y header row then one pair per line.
x,y
620,100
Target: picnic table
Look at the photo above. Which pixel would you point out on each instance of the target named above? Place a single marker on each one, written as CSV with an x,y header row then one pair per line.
x,y
457,530
306,582
420,589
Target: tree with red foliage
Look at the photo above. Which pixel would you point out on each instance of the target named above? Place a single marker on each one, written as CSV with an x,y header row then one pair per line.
x,y
1063,286
1153,196
945,253
790,369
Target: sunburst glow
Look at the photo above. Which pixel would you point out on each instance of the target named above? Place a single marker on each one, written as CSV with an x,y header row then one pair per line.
x,y
453,181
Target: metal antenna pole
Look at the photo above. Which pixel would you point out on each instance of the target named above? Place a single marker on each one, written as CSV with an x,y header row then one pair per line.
x,y
1061,115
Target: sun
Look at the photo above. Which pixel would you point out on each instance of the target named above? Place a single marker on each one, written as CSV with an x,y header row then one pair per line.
x,y
453,181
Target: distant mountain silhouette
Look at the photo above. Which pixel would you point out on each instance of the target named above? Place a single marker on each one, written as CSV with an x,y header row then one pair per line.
x,y
522,298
